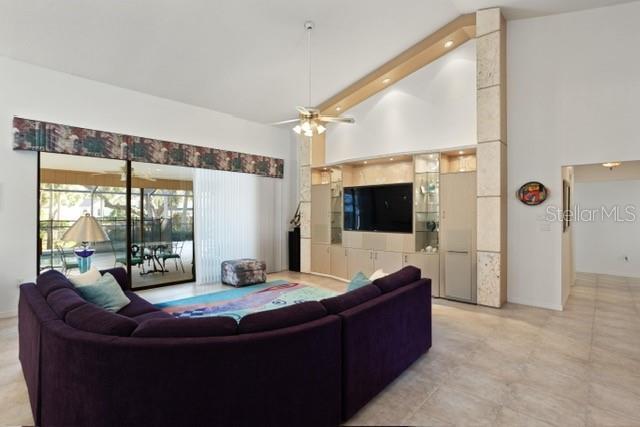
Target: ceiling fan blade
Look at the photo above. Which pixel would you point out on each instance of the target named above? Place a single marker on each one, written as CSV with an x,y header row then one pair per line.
x,y
332,119
284,122
302,110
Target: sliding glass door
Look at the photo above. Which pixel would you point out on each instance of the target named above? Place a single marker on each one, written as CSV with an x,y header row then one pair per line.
x,y
162,224
150,233
72,187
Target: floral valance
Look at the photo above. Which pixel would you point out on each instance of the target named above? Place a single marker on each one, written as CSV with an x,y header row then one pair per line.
x,y
34,135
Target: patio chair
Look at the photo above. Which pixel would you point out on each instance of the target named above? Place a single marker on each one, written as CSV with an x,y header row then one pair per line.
x,y
175,254
68,262
137,257
119,257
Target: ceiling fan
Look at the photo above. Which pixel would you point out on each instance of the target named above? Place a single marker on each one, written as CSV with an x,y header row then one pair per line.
x,y
123,174
309,121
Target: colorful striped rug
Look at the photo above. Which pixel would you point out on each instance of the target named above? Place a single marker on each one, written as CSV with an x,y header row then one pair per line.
x,y
239,302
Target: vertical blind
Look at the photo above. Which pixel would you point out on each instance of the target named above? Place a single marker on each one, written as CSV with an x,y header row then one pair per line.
x,y
237,216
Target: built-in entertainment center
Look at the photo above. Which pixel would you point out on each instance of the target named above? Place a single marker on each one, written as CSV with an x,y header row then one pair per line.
x,y
389,212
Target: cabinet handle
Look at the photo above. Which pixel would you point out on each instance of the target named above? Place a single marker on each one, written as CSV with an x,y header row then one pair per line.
x,y
406,258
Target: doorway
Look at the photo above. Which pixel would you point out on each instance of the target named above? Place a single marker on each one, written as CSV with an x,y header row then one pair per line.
x,y
603,228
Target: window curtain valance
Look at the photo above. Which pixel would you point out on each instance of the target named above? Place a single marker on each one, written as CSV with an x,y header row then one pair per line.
x,y
35,135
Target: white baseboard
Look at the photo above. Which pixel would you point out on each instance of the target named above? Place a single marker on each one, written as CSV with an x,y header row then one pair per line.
x,y
8,314
530,304
340,279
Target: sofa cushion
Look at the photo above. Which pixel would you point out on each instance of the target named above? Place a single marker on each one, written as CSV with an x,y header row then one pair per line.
x,y
350,299
89,277
187,327
52,280
105,293
119,273
91,318
282,317
137,306
359,280
158,314
400,278
64,300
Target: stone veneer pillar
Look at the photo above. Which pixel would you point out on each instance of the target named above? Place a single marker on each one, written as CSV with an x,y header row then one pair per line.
x,y
491,157
304,183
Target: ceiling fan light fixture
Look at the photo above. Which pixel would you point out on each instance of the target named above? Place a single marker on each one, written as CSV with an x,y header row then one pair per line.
x,y
310,120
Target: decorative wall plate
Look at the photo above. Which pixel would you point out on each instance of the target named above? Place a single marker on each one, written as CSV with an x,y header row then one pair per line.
x,y
532,193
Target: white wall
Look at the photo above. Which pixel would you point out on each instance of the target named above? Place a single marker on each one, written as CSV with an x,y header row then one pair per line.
x,y
601,245
431,109
38,93
573,90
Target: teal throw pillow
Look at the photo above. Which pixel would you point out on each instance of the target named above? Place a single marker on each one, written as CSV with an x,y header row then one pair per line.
x,y
105,293
358,281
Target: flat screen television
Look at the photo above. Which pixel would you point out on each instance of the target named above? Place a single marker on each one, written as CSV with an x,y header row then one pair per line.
x,y
386,208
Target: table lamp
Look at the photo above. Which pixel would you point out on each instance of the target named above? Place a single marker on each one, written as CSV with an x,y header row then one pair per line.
x,y
86,229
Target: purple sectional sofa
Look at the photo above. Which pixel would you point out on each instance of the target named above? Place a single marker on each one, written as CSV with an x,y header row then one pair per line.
x,y
312,364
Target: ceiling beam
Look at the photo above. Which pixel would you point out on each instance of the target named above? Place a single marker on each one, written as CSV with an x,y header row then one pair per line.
x,y
417,56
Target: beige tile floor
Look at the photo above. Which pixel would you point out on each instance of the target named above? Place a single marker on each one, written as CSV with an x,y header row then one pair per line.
x,y
518,366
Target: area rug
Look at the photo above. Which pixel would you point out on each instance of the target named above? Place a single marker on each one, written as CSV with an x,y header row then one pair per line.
x,y
239,302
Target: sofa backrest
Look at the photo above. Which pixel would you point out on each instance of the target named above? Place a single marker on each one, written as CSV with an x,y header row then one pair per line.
x,y
282,317
52,280
188,327
340,303
63,300
91,318
393,281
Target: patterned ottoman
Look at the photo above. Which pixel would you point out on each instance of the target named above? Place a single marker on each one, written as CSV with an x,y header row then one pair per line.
x,y
243,272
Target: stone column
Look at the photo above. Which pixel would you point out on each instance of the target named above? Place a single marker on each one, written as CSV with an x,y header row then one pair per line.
x,y
491,157
304,183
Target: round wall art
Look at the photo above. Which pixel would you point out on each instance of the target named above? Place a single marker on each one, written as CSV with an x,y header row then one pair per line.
x,y
533,193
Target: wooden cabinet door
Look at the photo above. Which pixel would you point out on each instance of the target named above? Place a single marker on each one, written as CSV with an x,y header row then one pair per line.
x,y
321,213
389,262
339,262
321,258
359,260
429,264
458,274
458,204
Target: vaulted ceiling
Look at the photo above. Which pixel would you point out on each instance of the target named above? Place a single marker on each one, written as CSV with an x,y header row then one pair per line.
x,y
242,57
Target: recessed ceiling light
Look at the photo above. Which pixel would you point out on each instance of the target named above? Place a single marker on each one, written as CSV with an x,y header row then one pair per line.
x,y
611,165
391,159
365,162
460,152
338,108
385,81
448,44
